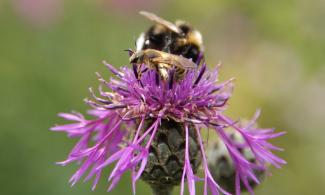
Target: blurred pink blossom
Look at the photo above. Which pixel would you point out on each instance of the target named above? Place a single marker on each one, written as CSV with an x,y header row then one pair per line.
x,y
39,13
132,5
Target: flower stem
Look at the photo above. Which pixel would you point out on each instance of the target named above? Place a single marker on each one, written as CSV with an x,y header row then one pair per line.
x,y
161,189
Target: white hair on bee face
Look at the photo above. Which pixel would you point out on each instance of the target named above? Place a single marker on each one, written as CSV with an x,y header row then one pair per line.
x,y
140,42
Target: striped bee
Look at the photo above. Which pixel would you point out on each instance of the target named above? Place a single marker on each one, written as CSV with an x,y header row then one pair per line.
x,y
179,38
162,62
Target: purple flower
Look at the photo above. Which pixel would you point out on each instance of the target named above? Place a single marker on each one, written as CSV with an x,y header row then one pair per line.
x,y
117,133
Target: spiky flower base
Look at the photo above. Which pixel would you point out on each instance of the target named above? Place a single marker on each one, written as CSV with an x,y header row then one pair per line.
x,y
165,164
223,169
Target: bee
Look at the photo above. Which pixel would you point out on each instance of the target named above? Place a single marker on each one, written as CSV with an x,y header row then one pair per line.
x,y
162,62
179,38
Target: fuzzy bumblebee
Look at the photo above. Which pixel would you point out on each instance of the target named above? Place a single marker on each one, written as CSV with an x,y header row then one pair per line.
x,y
178,38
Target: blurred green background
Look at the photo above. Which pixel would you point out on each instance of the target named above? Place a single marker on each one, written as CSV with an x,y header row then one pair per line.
x,y
50,49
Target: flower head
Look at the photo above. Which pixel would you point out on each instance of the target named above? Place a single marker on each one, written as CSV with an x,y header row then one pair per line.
x,y
118,132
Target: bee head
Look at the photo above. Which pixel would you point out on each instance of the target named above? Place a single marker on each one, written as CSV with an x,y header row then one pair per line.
x,y
136,57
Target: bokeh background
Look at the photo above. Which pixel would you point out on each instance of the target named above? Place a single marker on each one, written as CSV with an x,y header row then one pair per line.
x,y
50,49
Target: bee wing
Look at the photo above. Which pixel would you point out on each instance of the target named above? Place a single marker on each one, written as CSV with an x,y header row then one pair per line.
x,y
161,21
177,61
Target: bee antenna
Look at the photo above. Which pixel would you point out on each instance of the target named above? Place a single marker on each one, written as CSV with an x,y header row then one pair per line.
x,y
171,78
131,52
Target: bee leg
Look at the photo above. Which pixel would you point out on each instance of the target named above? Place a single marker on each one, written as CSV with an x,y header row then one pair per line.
x,y
171,78
137,72
157,76
163,72
145,70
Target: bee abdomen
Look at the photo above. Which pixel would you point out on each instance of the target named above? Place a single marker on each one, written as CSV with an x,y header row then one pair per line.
x,y
180,73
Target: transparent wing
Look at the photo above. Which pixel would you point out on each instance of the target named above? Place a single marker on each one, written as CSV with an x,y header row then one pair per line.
x,y
161,21
174,60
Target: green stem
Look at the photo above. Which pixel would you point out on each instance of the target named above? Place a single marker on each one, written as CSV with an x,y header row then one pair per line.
x,y
161,189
